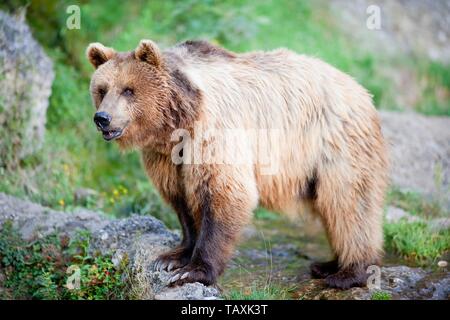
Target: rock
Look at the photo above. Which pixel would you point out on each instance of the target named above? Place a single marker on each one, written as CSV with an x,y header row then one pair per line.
x,y
439,224
415,283
400,282
26,77
442,264
34,220
394,214
419,150
420,27
141,239
248,232
124,234
137,241
190,291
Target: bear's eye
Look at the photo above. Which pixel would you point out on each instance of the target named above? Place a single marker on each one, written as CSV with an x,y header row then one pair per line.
x,y
101,92
128,92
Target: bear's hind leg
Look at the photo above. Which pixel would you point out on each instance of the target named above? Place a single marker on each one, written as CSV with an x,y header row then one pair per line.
x,y
353,221
321,270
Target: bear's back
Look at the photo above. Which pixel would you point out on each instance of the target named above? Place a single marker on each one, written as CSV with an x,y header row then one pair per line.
x,y
269,89
204,50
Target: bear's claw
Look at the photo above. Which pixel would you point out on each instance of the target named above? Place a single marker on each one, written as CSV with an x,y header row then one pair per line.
x,y
190,274
172,260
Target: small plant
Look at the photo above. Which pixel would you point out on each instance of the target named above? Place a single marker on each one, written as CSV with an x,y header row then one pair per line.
x,y
38,270
254,293
415,241
381,295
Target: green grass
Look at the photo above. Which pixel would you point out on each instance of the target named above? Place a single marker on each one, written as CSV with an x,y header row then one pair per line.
x,y
415,241
436,94
39,270
263,214
265,293
381,295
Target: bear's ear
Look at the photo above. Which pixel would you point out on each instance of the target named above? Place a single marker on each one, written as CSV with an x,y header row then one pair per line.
x,y
98,54
148,51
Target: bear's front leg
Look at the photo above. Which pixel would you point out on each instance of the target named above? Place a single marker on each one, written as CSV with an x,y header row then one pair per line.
x,y
181,255
223,202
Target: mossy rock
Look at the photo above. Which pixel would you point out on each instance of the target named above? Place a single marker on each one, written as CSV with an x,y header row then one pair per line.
x,y
26,76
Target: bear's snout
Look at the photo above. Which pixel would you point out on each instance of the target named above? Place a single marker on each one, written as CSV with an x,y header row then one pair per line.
x,y
102,120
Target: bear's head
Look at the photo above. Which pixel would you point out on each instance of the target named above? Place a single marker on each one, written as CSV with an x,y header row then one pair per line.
x,y
130,91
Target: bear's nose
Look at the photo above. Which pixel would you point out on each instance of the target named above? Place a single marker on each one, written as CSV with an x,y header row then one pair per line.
x,y
102,119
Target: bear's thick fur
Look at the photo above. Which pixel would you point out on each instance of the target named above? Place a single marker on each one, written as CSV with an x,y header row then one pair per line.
x,y
330,153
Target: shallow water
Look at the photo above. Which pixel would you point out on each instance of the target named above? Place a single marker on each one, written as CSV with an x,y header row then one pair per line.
x,y
273,258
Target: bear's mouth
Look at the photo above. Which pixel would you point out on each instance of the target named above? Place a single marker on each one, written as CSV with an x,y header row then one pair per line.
x,y
109,135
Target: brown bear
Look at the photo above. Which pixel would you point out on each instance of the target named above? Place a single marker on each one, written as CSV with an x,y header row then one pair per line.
x,y
330,152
